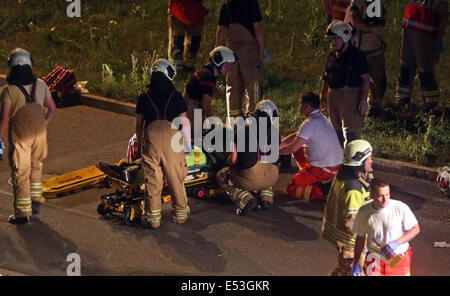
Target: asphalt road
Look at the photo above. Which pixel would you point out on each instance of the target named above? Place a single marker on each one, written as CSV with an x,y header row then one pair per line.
x,y
282,241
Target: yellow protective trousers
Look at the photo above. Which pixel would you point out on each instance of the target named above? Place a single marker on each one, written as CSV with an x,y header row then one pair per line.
x,y
27,151
246,75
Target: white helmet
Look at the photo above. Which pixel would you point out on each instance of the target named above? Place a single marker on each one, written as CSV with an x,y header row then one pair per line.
x,y
222,54
356,152
164,66
20,57
443,179
339,29
268,107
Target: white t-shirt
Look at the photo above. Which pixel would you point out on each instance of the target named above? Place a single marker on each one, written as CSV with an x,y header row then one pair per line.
x,y
385,225
322,147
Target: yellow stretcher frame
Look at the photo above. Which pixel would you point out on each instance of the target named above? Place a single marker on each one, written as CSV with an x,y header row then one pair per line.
x,y
74,181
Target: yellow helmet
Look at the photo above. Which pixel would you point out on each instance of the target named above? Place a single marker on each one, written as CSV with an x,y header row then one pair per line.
x,y
356,152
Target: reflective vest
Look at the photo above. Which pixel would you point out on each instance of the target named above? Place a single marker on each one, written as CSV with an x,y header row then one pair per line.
x,y
338,9
420,17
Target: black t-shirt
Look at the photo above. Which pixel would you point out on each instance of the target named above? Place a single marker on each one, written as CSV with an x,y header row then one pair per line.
x,y
346,69
252,152
243,12
154,105
203,82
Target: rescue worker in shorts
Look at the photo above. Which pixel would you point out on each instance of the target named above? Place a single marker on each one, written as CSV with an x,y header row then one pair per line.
x,y
349,191
242,21
155,132
389,226
249,178
317,150
368,35
423,29
346,81
199,89
186,21
23,103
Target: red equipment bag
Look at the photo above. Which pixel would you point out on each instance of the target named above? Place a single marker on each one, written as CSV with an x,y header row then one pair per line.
x,y
188,12
60,80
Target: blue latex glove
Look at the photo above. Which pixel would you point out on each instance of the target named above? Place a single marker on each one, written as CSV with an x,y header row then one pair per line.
x,y
438,45
390,248
356,270
266,56
2,148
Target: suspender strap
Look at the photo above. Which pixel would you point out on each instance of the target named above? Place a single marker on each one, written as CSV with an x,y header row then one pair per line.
x,y
165,109
28,98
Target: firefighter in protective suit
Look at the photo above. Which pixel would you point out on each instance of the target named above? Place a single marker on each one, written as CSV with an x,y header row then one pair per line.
x,y
163,154
186,20
368,35
23,103
200,87
346,81
242,21
424,23
249,178
349,191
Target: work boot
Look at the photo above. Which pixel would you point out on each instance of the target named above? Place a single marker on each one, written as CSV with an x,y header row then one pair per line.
x,y
180,221
265,205
18,220
35,207
251,204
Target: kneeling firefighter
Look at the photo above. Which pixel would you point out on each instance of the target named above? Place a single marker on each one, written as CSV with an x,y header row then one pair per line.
x,y
155,111
252,172
22,103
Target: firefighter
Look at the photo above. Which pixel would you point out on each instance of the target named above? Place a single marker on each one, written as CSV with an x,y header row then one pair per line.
x,y
23,103
368,36
155,111
346,81
251,173
349,191
242,21
389,226
186,20
424,24
317,150
200,87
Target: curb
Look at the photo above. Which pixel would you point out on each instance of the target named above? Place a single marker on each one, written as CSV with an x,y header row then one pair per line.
x,y
390,166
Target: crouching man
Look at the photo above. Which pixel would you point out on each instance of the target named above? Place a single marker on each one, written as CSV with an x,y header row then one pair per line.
x,y
317,151
253,170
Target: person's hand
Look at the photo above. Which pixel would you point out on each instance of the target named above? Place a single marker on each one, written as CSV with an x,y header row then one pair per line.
x,y
356,270
266,56
2,149
388,249
363,107
438,45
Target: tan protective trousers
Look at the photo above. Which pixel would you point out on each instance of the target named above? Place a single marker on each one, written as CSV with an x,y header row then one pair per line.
x,y
345,261
238,183
184,42
343,109
417,54
159,161
377,71
27,151
246,75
